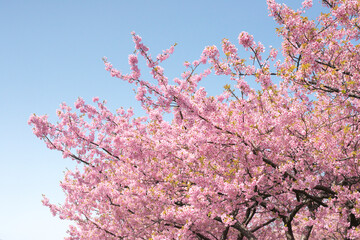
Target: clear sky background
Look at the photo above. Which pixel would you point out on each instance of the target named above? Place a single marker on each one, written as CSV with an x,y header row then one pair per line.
x,y
50,52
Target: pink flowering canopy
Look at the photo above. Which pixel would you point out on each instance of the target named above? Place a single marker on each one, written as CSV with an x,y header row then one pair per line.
x,y
281,162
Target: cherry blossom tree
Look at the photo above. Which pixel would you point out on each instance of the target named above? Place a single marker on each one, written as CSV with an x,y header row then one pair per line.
x,y
277,162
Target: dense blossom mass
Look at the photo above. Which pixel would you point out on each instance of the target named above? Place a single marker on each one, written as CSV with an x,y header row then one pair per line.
x,y
279,162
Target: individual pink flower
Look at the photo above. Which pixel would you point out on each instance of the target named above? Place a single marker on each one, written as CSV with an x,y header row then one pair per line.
x,y
246,39
273,53
195,63
133,59
187,64
79,103
114,72
108,66
307,4
211,52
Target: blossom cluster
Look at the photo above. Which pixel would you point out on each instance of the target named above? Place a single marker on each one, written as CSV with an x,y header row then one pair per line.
x,y
279,161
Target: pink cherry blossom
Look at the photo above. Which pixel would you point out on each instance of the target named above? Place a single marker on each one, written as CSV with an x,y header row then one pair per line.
x,y
279,161
246,40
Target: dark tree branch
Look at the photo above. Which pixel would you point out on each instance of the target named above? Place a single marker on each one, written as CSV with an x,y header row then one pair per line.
x,y
225,233
313,198
263,225
306,233
200,236
103,229
241,228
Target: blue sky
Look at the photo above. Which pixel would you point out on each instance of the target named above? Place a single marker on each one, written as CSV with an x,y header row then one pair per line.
x,y
51,52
